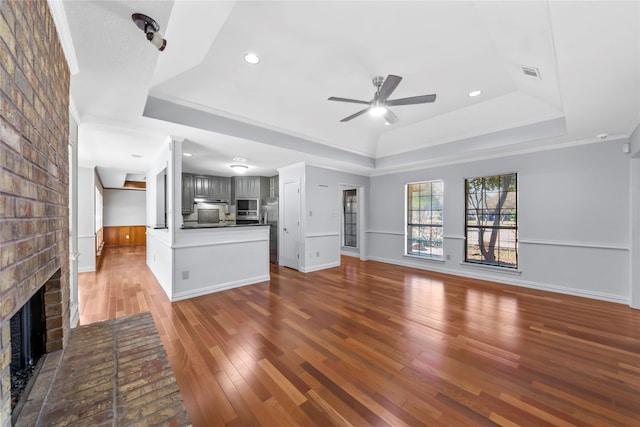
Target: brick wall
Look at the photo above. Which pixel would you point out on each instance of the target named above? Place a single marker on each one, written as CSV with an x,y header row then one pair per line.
x,y
34,174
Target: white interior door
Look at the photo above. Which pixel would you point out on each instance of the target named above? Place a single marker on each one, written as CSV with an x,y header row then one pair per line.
x,y
291,225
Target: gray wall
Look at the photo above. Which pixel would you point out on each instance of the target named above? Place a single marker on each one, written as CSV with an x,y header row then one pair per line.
x,y
124,207
87,187
573,219
321,212
634,142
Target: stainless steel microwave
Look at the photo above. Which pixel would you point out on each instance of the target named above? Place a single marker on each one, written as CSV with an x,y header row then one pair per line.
x,y
251,205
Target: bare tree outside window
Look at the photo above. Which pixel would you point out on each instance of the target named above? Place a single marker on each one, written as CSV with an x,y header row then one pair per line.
x,y
492,220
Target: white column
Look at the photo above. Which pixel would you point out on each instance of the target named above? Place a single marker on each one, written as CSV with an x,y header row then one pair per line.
x,y
74,253
635,233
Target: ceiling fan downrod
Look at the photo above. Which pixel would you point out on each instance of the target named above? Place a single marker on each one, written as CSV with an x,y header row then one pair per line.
x,y
377,82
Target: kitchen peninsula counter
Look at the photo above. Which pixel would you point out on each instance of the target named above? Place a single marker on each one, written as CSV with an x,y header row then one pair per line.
x,y
213,258
219,225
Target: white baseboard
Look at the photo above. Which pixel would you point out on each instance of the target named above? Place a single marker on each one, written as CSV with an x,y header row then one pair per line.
x,y
352,254
74,315
87,269
481,275
320,267
217,288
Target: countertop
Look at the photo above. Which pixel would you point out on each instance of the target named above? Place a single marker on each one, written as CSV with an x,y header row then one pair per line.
x,y
218,225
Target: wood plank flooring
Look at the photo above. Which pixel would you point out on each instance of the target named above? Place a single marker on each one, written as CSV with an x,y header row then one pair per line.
x,y
369,343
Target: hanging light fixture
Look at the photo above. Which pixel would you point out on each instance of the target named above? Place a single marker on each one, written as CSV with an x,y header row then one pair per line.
x,y
151,28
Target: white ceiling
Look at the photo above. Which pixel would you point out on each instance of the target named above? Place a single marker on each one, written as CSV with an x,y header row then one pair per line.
x,y
276,113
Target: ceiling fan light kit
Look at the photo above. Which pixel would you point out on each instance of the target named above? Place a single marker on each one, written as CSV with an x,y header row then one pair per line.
x,y
378,106
377,110
151,28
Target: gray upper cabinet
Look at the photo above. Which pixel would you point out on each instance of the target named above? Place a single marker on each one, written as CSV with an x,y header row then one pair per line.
x,y
188,193
274,189
219,187
211,187
251,187
247,186
201,186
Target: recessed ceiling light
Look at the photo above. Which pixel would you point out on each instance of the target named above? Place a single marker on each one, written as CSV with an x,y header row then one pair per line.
x,y
475,93
387,123
251,58
239,159
239,168
187,154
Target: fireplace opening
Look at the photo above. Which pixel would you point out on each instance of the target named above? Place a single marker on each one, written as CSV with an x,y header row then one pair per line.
x,y
28,344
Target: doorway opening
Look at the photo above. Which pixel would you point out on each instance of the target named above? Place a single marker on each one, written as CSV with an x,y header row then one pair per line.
x,y
352,234
350,218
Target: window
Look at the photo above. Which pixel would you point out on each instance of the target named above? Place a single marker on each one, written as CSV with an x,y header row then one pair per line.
x,y
350,211
424,219
491,227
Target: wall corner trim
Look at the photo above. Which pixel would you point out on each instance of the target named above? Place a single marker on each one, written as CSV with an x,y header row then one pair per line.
x,y
64,34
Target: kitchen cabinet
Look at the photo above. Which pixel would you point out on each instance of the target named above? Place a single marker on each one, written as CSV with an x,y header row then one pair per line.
x,y
274,189
188,193
219,187
201,186
211,187
249,187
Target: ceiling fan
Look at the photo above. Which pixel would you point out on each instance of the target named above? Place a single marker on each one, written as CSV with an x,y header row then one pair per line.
x,y
378,105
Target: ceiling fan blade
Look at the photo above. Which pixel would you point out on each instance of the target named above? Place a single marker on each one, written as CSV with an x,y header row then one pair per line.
x,y
353,116
390,84
422,99
390,117
354,101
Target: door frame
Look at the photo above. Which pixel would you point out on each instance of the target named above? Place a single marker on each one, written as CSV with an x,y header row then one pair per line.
x,y
283,210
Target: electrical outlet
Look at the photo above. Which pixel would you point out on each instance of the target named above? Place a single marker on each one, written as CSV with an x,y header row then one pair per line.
x,y
185,274
318,254
448,257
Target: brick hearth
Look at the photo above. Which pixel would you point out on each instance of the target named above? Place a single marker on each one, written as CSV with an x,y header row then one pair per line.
x,y
113,373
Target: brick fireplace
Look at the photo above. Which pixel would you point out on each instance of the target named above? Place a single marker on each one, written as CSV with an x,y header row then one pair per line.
x,y
34,176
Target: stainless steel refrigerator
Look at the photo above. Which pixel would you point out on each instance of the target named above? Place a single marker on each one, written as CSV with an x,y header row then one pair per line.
x,y
269,213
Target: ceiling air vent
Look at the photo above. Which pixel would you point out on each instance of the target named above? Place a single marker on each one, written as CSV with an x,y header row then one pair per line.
x,y
532,72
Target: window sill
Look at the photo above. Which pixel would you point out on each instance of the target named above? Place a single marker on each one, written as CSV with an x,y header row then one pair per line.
x,y
504,270
424,258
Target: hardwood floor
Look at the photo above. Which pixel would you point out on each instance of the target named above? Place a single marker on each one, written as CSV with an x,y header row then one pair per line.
x,y
369,343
